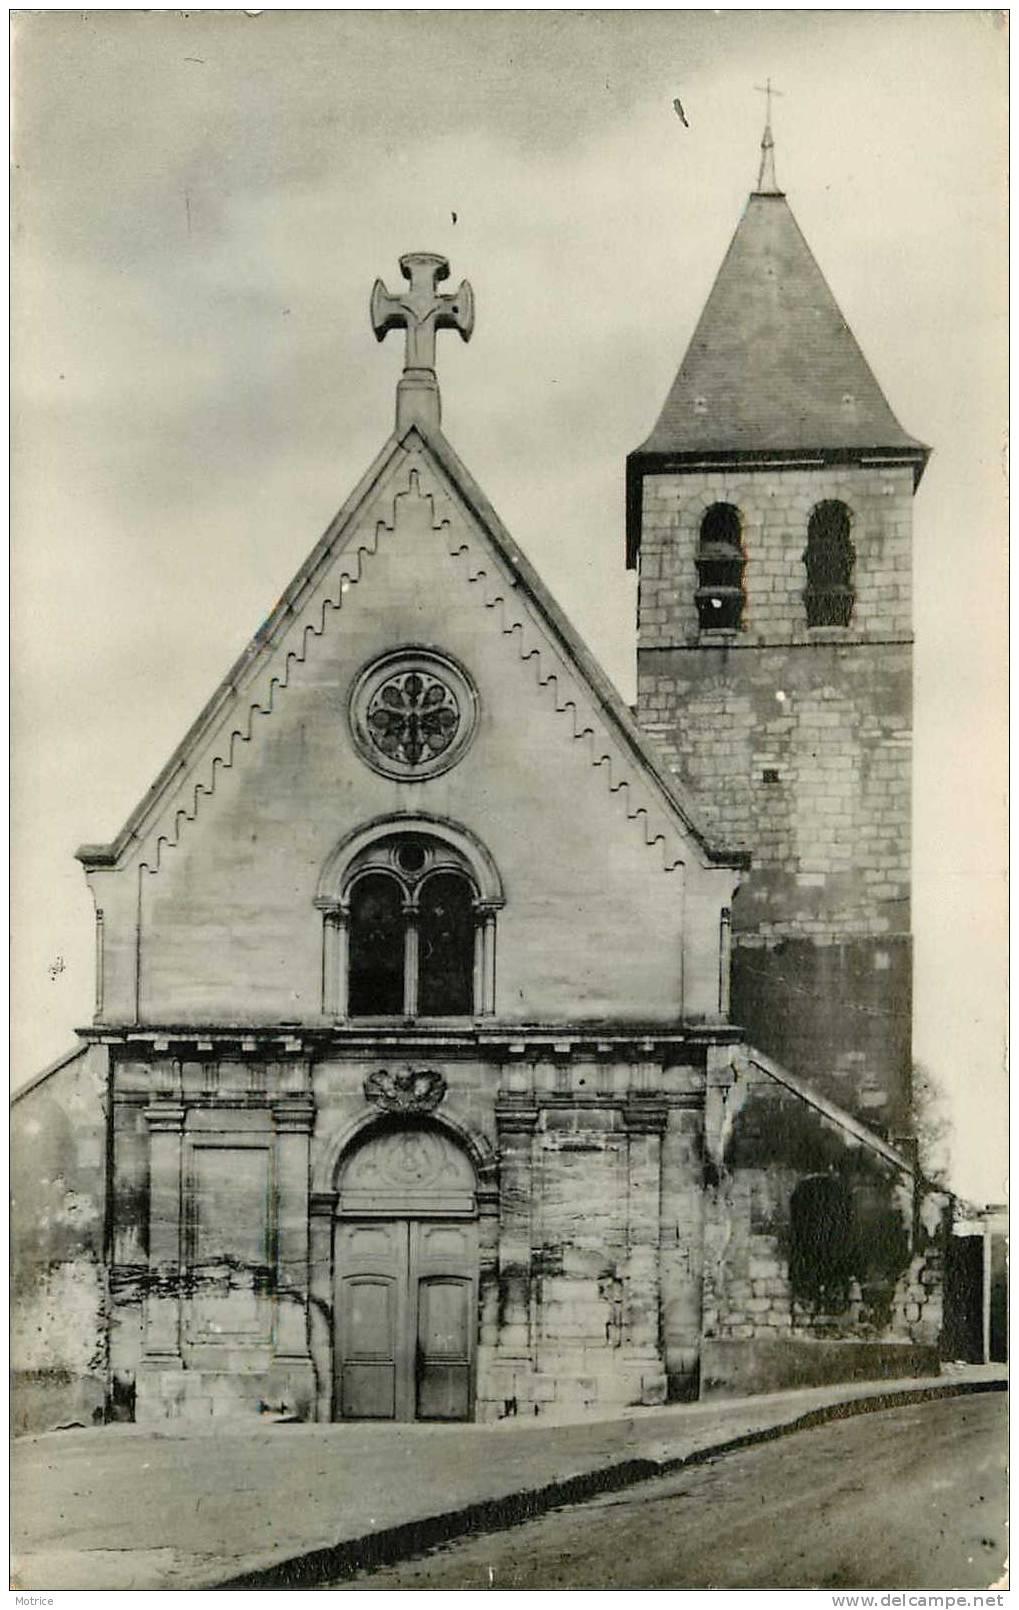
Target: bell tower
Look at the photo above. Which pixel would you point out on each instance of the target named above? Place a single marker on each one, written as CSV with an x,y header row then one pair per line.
x,y
769,517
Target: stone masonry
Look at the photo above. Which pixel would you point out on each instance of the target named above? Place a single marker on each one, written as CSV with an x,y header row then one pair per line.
x,y
796,740
762,1324
464,1049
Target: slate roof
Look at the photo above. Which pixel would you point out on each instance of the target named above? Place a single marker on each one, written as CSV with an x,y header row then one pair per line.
x,y
773,370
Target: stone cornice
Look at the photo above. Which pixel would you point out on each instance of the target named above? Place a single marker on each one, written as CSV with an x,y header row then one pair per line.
x,y
321,1042
813,637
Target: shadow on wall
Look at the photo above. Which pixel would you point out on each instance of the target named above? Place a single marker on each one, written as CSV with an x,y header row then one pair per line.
x,y
58,1287
847,1246
824,1260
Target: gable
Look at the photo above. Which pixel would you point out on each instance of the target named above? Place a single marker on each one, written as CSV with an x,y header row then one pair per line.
x,y
224,855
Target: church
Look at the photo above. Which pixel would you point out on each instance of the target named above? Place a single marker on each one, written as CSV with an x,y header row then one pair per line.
x,y
469,1045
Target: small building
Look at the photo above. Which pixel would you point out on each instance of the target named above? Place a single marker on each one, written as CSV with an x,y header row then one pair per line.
x,y
976,1287
465,1046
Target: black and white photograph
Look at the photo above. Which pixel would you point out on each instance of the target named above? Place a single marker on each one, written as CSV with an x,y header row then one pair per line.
x,y
509,750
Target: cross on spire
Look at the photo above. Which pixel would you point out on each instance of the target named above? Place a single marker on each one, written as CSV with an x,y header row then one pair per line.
x,y
421,310
767,184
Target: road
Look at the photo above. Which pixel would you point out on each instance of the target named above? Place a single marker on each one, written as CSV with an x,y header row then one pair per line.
x,y
910,1498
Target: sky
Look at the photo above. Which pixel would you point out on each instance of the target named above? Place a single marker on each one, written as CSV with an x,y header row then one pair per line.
x,y
201,202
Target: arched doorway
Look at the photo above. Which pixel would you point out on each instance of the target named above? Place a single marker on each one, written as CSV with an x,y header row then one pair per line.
x,y
406,1262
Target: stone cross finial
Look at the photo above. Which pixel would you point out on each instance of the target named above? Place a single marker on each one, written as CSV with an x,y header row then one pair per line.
x,y
421,310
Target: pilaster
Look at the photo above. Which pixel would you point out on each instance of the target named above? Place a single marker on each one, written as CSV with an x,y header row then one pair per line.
x,y
334,962
162,1302
321,1326
293,1120
515,1126
645,1123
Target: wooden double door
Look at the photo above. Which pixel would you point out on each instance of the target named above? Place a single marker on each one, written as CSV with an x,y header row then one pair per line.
x,y
406,1318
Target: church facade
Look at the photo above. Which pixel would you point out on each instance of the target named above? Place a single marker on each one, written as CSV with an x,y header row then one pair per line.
x,y
467,1046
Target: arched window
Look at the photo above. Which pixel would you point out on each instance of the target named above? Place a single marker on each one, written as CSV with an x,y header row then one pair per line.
x,y
822,1242
445,946
409,933
720,562
829,559
376,946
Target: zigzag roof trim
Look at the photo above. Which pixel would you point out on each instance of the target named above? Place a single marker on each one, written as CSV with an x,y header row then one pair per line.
x,y
340,528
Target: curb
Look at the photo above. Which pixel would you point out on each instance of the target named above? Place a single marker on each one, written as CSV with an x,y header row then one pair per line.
x,y
396,1543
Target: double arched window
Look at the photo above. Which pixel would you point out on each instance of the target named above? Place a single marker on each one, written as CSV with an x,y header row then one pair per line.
x,y
720,596
411,943
410,930
829,558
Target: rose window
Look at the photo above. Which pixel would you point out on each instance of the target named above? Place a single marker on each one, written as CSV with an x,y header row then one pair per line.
x,y
413,713
413,717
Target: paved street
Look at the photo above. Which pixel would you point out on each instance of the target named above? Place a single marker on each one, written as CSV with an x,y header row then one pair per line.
x,y
910,1498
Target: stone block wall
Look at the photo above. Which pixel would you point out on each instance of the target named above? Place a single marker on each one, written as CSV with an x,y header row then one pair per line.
x,y
764,1141
59,1295
588,1173
633,1208
209,1226
599,1247
796,743
775,507
681,1249
815,783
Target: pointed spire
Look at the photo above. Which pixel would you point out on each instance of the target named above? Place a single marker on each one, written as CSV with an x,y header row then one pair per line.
x,y
767,184
773,373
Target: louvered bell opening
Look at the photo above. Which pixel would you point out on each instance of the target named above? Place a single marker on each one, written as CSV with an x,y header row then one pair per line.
x,y
719,598
829,606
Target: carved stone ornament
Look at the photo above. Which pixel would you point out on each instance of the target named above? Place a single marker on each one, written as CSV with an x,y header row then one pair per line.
x,y
412,713
412,716
419,1090
421,310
